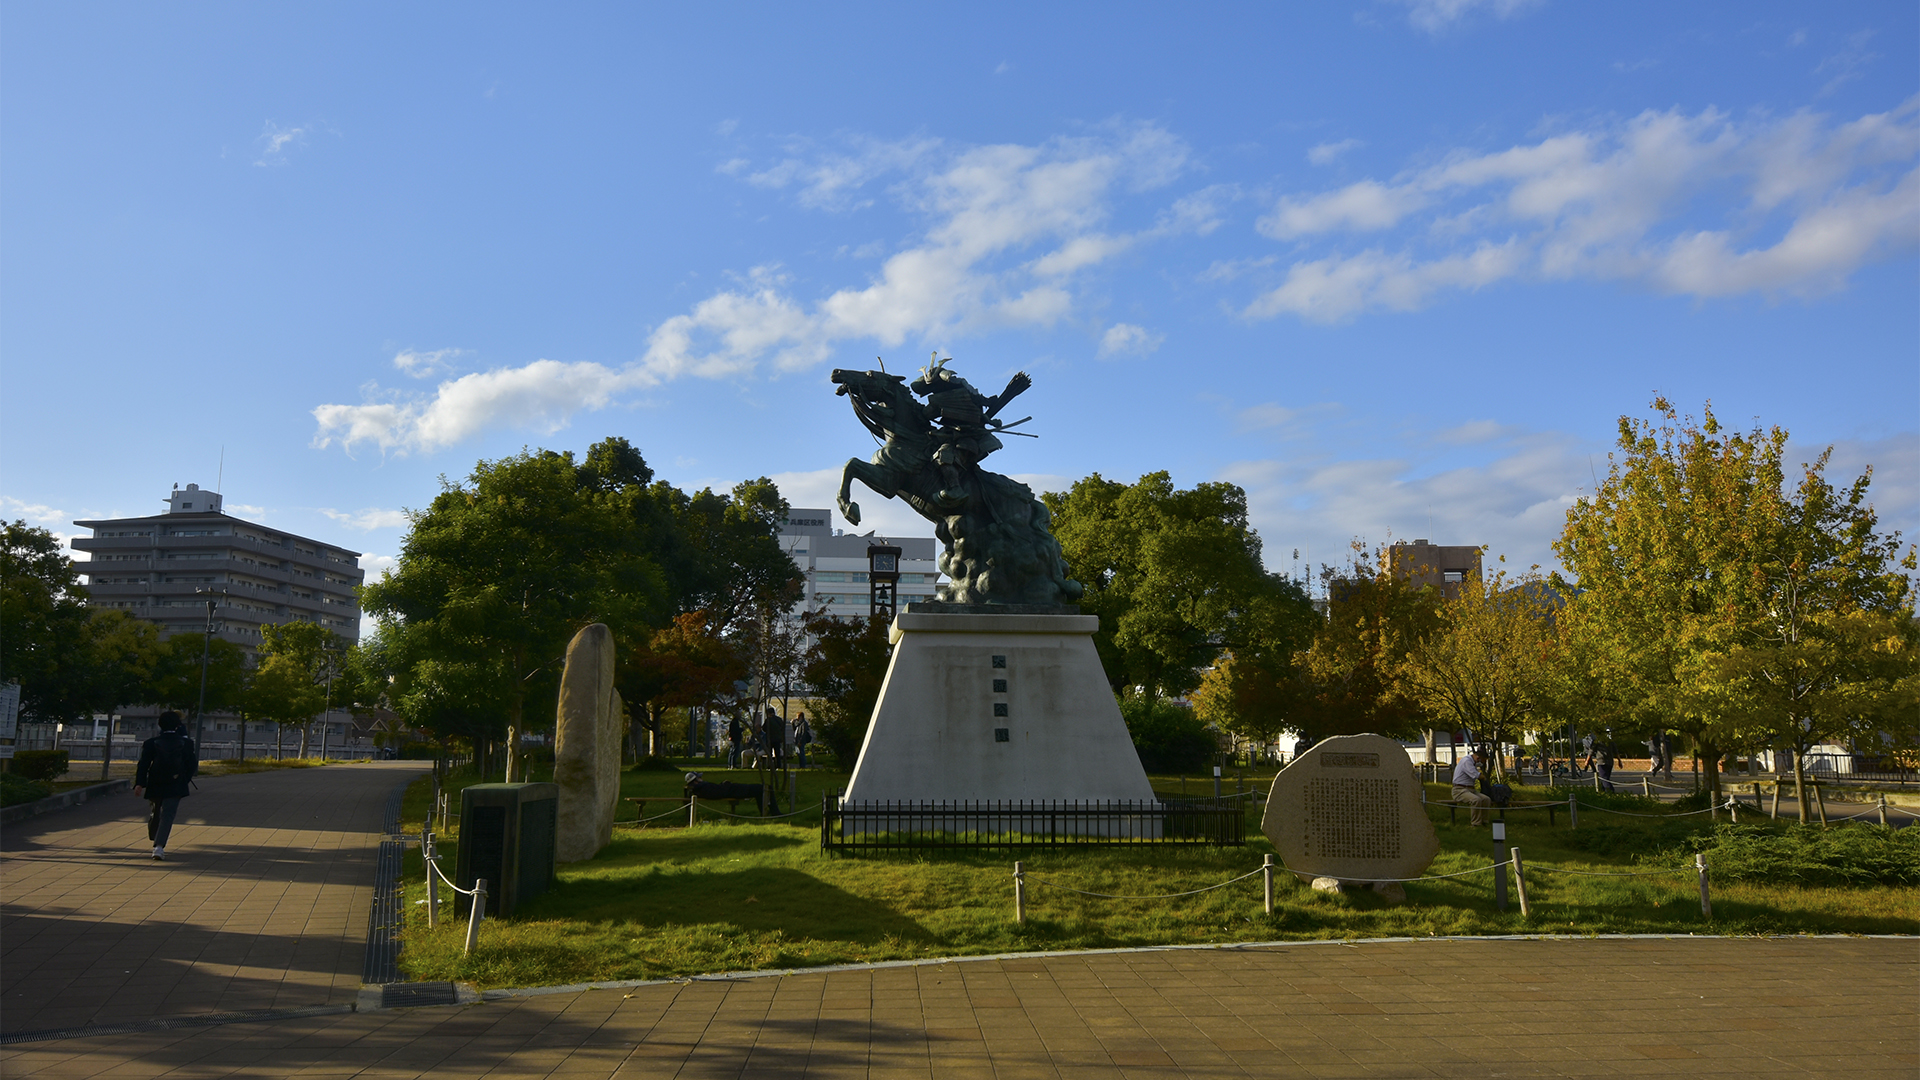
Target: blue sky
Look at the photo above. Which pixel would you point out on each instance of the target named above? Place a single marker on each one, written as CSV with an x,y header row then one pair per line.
x,y
1395,267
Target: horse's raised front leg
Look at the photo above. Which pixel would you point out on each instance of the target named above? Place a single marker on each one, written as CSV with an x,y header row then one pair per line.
x,y
867,473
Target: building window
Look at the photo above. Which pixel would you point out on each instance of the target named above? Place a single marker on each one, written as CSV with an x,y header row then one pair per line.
x,y
1453,577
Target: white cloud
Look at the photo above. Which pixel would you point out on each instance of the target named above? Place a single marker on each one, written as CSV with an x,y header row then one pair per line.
x,y
378,566
420,364
1516,503
1329,152
542,396
1126,339
275,142
1436,16
1009,229
1367,205
1285,420
1805,202
37,513
369,519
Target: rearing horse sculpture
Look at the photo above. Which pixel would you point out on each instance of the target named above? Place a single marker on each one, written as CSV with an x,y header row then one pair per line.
x,y
997,541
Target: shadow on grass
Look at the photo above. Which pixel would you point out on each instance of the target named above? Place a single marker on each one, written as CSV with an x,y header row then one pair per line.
x,y
682,846
754,900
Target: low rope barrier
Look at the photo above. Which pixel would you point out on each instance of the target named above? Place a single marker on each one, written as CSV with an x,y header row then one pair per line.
x,y
1685,813
760,817
1609,873
477,912
1157,896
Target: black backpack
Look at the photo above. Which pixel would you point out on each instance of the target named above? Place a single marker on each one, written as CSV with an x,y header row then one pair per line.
x,y
172,760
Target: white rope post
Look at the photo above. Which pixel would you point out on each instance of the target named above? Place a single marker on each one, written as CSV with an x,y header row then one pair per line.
x,y
1019,894
693,811
1706,902
1520,881
1883,811
479,912
1646,786
1774,810
433,879
1733,808
1266,881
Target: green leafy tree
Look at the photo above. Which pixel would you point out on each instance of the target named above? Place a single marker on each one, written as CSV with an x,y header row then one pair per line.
x,y
1669,558
43,613
846,666
1175,577
498,573
1825,649
1480,667
1347,681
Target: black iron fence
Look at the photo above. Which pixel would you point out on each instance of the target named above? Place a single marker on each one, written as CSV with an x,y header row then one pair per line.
x,y
877,826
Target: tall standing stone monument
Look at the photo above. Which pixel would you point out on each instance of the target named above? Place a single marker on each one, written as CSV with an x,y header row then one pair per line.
x,y
1350,808
586,749
995,692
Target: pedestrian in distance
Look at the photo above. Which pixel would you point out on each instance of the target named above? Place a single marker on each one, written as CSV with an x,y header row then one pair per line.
x,y
1466,777
1600,760
776,731
168,763
802,738
736,735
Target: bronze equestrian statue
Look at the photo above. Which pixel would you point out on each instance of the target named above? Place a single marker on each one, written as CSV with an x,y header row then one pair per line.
x,y
997,539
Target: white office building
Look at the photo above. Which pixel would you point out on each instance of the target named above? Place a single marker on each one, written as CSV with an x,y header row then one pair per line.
x,y
835,564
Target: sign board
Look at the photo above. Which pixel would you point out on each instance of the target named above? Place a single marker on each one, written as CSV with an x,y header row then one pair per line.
x,y
9,710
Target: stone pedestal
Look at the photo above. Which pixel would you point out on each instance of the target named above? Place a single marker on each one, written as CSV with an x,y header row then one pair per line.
x,y
586,746
993,706
1350,808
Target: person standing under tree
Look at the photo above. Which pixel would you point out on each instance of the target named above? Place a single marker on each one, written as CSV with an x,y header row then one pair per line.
x,y
775,730
736,734
802,738
168,763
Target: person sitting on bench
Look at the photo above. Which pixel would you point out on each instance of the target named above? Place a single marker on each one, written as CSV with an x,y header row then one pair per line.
x,y
1465,776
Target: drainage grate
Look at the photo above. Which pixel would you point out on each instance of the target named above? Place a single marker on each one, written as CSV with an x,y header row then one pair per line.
x,y
408,995
384,920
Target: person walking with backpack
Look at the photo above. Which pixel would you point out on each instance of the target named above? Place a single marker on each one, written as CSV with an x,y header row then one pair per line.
x,y
168,763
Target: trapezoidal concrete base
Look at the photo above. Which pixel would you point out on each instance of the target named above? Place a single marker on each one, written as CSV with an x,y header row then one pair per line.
x,y
996,707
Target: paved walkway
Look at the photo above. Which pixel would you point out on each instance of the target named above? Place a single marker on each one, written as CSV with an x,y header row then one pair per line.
x,y
1578,1008
261,904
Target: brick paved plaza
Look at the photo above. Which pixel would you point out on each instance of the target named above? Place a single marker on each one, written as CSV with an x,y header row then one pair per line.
x,y
266,908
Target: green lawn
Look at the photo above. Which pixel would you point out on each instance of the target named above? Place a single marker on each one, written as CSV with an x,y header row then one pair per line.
x,y
731,895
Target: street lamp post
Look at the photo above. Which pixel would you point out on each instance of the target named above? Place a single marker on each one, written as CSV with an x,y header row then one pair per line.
x,y
206,652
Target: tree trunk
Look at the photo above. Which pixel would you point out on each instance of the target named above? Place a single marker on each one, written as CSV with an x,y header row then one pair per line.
x,y
1433,747
106,748
306,732
1800,784
1709,759
243,738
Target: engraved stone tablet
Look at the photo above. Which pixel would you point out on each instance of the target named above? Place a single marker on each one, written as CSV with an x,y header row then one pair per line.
x,y
1350,808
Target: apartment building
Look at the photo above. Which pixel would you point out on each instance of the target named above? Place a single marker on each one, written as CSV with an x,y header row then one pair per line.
x,y
1443,566
165,567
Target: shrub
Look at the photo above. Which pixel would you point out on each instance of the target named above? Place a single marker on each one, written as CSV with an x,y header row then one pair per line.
x,y
16,789
1168,737
1851,854
39,764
